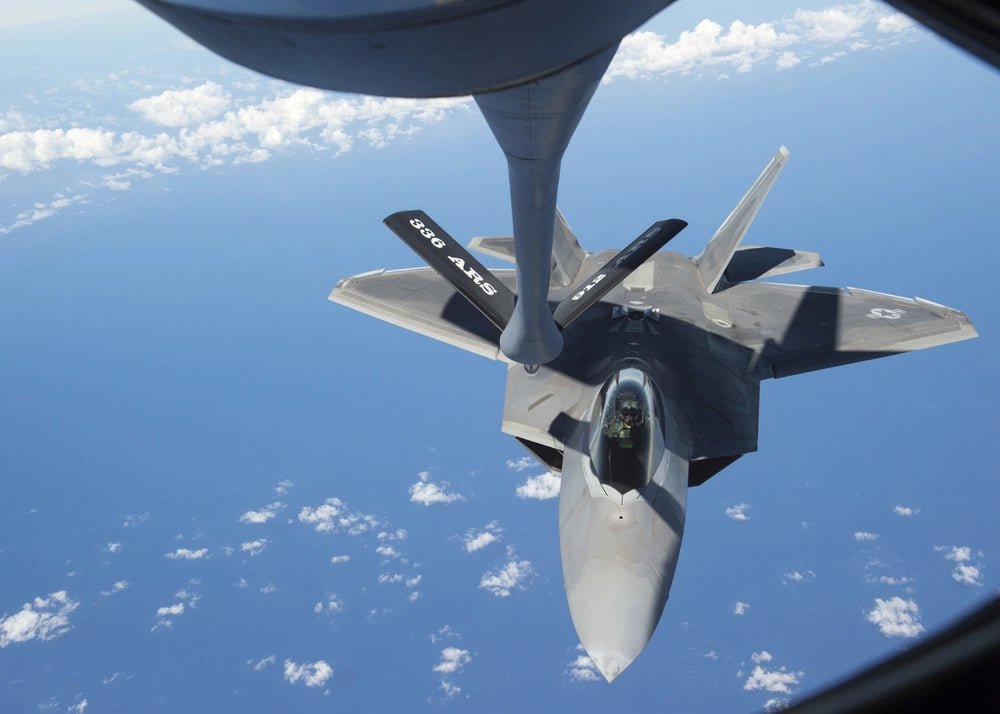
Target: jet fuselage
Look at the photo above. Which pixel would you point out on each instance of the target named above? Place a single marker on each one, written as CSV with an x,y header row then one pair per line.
x,y
622,504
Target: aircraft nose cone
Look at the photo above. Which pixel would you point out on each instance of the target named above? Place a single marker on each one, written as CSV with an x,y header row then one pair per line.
x,y
614,618
610,664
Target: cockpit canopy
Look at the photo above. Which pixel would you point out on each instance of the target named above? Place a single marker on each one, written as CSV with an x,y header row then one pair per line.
x,y
626,431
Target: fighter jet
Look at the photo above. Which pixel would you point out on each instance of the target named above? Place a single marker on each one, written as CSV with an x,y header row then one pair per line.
x,y
657,387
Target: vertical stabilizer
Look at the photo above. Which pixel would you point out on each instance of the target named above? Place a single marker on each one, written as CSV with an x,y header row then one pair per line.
x,y
567,255
713,260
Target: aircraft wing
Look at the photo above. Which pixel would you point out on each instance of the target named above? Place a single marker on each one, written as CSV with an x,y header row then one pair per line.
x,y
802,329
420,300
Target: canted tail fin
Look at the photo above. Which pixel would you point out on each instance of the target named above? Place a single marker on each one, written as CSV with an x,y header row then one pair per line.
x,y
567,255
715,258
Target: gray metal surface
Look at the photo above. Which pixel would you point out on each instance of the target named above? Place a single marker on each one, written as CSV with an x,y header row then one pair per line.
x,y
406,48
703,348
533,123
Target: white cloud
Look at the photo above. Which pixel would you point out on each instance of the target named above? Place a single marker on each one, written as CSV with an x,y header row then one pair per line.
x,y
762,656
827,59
834,24
262,663
44,619
283,487
709,46
414,581
40,211
306,118
643,54
332,516
891,580
738,512
778,680
896,617
775,704
513,575
540,488
314,674
741,608
116,587
179,608
787,60
79,708
446,632
171,610
340,559
398,534
477,540
116,676
331,605
964,572
134,519
264,514
322,516
453,659
894,23
32,150
905,510
187,554
799,576
387,551
390,578
864,535
121,180
427,492
254,547
113,547
184,107
524,462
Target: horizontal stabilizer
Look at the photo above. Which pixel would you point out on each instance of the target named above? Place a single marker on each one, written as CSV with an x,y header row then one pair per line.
x,y
455,264
715,258
499,247
567,255
753,262
616,270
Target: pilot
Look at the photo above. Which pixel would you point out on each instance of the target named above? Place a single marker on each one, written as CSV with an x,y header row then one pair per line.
x,y
621,423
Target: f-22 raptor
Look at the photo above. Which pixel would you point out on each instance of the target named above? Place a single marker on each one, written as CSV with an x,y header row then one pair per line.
x,y
657,387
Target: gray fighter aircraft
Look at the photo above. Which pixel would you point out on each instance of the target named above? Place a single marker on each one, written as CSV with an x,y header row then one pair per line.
x,y
657,387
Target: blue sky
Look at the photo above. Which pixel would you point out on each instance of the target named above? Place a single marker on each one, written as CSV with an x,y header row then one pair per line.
x,y
180,404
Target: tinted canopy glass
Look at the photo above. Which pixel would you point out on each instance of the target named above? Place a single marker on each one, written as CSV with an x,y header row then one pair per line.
x,y
626,442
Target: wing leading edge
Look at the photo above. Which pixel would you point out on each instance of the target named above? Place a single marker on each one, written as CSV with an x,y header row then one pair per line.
x,y
420,300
